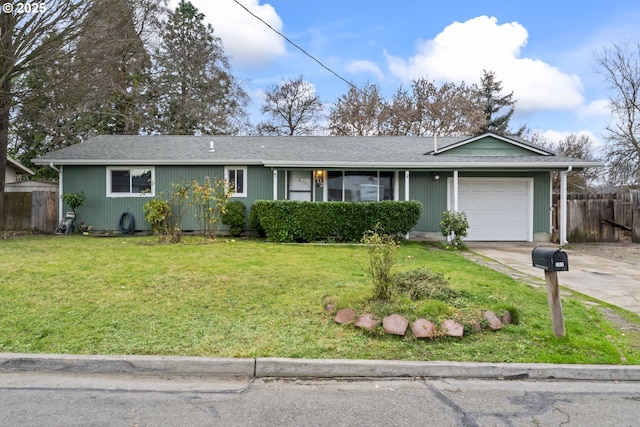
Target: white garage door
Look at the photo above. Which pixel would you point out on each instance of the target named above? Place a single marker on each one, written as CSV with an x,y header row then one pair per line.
x,y
498,209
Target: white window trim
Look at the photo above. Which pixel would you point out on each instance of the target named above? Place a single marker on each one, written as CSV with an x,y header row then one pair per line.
x,y
246,181
152,193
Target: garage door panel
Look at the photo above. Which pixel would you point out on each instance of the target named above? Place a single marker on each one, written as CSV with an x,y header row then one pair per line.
x,y
497,209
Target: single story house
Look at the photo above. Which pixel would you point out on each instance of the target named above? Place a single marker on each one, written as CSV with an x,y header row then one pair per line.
x,y
502,183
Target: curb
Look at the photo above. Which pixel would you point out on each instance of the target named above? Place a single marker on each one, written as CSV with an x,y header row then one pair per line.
x,y
308,368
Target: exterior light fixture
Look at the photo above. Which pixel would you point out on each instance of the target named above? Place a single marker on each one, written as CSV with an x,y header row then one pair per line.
x,y
319,176
436,176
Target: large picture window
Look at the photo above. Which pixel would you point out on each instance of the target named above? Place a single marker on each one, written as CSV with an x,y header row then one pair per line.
x,y
237,176
130,182
360,186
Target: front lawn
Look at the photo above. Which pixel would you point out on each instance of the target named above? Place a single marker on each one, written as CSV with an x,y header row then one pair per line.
x,y
248,298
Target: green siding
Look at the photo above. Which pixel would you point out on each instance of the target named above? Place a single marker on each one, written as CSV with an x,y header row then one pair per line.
x,y
432,194
103,212
488,147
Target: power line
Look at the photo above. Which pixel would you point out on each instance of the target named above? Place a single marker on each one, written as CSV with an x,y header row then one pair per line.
x,y
298,47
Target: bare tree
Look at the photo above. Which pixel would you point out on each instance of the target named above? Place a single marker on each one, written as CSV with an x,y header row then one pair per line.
x,y
26,39
445,110
358,113
620,67
293,107
577,147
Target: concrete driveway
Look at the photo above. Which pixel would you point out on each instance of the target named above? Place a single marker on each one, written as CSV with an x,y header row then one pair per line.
x,y
613,281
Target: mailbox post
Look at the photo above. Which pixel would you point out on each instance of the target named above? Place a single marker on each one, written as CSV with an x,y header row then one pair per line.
x,y
551,261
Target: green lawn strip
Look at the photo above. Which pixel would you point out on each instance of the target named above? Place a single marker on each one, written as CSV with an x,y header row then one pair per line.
x,y
248,298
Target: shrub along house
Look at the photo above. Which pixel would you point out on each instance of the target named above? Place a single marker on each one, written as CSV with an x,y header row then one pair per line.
x,y
502,183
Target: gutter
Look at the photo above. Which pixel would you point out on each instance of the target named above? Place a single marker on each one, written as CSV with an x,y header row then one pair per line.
x,y
329,164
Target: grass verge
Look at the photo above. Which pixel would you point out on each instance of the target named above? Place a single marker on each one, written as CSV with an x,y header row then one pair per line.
x,y
248,298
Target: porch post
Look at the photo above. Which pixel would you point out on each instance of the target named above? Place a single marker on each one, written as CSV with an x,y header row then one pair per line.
x,y
455,191
563,207
406,185
275,184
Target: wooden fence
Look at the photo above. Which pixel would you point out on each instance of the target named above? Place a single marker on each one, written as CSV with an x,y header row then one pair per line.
x,y
611,217
37,210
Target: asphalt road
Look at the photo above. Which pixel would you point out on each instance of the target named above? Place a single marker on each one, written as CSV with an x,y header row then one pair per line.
x,y
54,399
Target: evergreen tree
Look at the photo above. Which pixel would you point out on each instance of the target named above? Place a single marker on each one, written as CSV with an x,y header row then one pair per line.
x,y
491,101
197,94
113,68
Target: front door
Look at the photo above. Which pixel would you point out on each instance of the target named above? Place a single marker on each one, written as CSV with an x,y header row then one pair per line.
x,y
300,186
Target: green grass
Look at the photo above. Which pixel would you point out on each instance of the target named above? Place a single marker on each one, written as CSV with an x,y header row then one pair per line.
x,y
247,298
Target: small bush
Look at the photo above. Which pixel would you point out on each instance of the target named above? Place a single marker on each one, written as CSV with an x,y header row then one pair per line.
x,y
73,200
455,225
422,283
234,217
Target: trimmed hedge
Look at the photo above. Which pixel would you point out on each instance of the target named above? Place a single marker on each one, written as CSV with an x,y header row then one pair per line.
x,y
293,221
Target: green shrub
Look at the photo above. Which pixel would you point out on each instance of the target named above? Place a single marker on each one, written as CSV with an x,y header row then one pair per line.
x,y
157,212
164,213
455,225
289,221
234,216
73,200
422,283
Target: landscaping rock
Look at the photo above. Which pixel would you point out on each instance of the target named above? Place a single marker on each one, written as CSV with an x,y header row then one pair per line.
x,y
494,323
345,315
507,319
395,325
367,321
423,328
452,328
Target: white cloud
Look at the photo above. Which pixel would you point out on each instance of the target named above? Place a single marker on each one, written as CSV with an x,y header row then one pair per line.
x,y
248,42
463,50
355,67
595,109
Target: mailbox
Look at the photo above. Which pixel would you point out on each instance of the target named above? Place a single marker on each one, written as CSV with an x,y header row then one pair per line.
x,y
550,259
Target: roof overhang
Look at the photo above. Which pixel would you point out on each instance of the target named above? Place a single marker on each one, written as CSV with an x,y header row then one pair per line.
x,y
19,167
436,165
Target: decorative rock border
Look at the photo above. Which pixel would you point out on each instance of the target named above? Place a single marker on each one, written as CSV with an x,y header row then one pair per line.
x,y
395,324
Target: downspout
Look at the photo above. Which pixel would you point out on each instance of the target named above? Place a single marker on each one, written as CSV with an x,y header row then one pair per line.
x,y
563,206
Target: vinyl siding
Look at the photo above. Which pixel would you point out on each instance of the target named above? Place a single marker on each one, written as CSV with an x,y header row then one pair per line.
x,y
103,212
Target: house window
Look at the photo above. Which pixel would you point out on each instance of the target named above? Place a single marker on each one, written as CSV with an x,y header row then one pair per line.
x,y
300,185
360,186
238,177
130,182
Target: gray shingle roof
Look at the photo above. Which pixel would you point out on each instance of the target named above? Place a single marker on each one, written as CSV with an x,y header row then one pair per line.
x,y
287,151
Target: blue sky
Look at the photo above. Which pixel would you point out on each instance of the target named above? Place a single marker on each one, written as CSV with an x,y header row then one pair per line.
x,y
541,50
